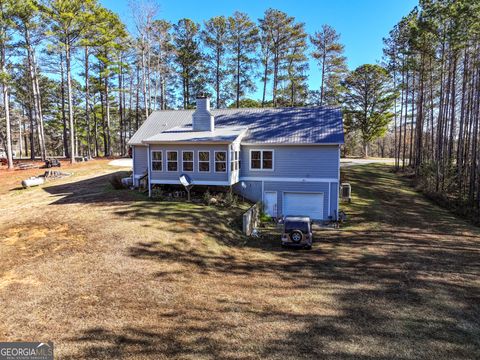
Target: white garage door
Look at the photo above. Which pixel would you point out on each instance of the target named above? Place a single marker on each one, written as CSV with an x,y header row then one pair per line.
x,y
307,204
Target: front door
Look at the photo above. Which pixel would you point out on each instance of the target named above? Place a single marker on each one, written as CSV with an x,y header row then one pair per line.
x,y
270,203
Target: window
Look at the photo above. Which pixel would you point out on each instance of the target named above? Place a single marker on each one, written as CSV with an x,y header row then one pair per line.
x,y
220,161
187,163
235,160
239,161
256,159
172,161
261,159
204,161
267,159
157,163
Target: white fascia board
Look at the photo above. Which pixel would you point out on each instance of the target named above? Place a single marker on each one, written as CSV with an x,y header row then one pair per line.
x,y
136,144
193,143
287,144
287,179
194,182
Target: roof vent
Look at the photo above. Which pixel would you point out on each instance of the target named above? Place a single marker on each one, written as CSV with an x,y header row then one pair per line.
x,y
202,119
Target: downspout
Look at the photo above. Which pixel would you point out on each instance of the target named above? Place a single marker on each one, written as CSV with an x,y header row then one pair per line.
x,y
133,166
338,184
329,199
148,170
229,165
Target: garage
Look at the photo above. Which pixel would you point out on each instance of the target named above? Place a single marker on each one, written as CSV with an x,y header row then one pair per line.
x,y
307,204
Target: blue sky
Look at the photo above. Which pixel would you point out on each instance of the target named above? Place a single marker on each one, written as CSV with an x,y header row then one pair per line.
x,y
361,23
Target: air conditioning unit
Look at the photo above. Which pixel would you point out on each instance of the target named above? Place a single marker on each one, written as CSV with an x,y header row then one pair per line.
x,y
346,191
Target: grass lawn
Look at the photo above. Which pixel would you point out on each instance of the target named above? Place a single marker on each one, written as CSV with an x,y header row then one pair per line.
x,y
108,274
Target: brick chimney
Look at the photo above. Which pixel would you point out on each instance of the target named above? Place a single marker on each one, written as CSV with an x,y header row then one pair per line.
x,y
202,119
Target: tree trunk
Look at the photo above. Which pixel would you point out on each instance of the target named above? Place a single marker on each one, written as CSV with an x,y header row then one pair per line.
x,y
324,56
87,105
265,74
7,116
64,117
107,116
70,103
120,108
37,106
238,75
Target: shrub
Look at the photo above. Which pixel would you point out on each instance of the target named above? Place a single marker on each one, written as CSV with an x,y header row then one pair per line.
x,y
116,182
231,199
207,197
157,193
262,215
219,198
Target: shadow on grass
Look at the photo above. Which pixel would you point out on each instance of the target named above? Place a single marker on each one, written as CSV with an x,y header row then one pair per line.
x,y
95,190
402,279
381,196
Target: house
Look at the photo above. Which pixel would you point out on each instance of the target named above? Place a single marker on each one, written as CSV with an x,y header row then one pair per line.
x,y
288,158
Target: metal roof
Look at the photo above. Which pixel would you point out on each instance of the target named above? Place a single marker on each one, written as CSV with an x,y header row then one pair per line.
x,y
301,125
186,134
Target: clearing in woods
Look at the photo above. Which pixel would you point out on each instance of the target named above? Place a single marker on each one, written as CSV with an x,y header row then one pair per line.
x,y
108,273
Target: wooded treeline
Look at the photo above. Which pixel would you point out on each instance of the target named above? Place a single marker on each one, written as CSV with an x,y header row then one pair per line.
x,y
434,57
77,83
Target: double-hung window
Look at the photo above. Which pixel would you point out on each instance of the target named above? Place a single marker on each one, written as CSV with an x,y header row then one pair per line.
x,y
237,155
157,161
261,159
235,160
204,161
172,161
187,161
220,161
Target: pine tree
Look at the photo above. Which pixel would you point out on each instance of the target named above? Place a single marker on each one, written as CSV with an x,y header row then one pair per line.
x,y
68,25
329,55
188,56
368,98
243,35
26,18
216,39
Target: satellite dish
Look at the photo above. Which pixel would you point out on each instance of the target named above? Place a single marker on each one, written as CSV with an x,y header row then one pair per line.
x,y
185,180
244,186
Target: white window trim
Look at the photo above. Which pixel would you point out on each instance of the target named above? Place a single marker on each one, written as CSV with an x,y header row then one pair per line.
x,y
215,161
151,160
209,161
276,201
193,161
166,160
261,160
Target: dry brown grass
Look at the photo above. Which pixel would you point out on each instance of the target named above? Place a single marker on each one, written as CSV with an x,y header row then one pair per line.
x,y
110,274
11,179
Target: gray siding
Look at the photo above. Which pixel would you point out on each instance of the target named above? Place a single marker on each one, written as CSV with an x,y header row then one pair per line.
x,y
252,192
140,161
195,175
334,191
295,161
